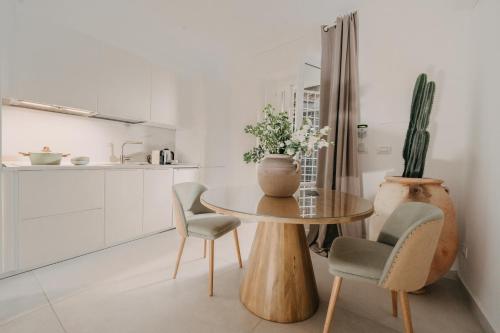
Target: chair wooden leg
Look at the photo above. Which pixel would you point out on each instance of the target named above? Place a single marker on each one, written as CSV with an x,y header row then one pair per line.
x,y
331,305
179,255
394,296
237,244
211,270
405,305
204,248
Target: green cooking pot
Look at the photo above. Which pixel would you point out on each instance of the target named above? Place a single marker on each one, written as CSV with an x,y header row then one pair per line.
x,y
45,157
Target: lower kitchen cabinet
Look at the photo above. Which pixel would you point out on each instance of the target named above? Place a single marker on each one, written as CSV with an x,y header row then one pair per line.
x,y
186,175
45,240
52,215
124,204
157,200
54,192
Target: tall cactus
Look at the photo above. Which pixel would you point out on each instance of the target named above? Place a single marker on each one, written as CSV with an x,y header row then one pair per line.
x,y
417,136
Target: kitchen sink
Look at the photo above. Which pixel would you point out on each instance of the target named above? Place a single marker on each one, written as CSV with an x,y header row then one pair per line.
x,y
136,163
118,163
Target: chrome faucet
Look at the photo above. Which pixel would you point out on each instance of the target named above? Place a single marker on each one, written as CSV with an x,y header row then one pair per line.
x,y
124,158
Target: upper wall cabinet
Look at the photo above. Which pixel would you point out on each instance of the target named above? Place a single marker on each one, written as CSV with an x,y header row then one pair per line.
x,y
164,97
124,85
52,64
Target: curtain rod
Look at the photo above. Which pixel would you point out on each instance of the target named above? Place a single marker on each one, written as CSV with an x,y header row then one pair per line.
x,y
326,27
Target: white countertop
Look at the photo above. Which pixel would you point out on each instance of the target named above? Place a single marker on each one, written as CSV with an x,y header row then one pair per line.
x,y
19,166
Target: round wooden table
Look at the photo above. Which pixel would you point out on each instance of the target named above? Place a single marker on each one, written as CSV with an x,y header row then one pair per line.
x,y
279,282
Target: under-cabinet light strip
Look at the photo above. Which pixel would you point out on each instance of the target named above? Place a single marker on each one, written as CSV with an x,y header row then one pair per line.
x,y
47,107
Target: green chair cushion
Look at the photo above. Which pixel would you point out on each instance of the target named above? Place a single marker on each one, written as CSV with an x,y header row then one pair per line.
x,y
405,217
357,258
188,195
210,225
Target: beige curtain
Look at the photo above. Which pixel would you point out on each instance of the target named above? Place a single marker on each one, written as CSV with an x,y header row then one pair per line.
x,y
339,109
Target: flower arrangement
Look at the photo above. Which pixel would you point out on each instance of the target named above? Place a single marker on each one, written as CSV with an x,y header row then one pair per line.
x,y
276,136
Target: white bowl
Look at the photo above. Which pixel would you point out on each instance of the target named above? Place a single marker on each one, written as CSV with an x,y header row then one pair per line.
x,y
80,160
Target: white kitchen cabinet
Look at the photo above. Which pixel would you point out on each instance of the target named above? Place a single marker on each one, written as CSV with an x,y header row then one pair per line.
x,y
124,205
49,239
45,193
59,213
52,64
186,175
157,200
124,85
164,97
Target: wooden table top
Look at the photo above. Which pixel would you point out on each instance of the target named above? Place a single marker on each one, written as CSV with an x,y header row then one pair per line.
x,y
307,206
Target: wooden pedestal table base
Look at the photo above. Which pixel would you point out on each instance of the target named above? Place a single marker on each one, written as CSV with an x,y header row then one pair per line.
x,y
279,282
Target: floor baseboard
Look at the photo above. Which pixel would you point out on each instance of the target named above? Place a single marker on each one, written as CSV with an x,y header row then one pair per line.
x,y
476,310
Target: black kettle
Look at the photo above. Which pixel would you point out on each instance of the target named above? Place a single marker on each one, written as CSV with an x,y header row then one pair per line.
x,y
166,156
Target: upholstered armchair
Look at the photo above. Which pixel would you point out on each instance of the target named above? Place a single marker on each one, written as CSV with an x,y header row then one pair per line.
x,y
399,260
192,219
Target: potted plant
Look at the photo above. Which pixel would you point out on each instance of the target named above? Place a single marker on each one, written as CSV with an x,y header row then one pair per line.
x,y
279,150
413,187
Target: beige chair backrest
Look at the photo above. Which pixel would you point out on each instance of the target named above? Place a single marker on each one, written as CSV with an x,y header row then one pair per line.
x,y
413,229
186,203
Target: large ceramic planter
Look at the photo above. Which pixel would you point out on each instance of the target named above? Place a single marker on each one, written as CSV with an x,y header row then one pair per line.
x,y
278,175
396,190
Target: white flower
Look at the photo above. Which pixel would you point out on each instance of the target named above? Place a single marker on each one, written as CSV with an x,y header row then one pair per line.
x,y
310,145
299,136
325,130
288,142
314,139
290,151
306,127
322,143
281,144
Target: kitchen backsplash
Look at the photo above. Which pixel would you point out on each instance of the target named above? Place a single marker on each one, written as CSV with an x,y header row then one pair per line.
x,y
30,130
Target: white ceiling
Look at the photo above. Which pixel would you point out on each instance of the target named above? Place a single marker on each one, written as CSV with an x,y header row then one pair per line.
x,y
192,29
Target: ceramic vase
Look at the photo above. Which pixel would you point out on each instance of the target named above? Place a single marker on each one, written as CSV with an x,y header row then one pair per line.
x,y
278,175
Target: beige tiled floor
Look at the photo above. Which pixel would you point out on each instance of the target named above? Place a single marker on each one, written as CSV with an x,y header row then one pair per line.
x,y
128,289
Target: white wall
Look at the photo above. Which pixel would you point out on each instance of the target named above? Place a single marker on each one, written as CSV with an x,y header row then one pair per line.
x,y
25,130
30,130
204,123
6,25
254,79
480,271
390,60
227,96
399,40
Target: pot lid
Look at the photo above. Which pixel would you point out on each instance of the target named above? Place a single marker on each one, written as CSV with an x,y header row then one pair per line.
x,y
45,150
